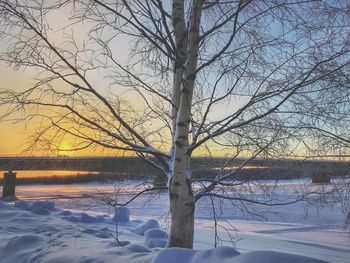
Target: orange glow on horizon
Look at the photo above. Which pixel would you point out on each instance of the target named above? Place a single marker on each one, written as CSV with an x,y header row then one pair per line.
x,y
64,149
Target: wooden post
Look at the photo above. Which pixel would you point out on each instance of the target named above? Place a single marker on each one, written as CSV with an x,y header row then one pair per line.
x,y
320,178
9,184
159,181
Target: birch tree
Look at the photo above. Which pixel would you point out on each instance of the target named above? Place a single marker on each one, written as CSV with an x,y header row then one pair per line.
x,y
169,79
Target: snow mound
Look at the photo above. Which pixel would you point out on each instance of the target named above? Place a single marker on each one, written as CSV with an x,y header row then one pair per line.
x,y
9,198
40,211
5,206
272,257
85,218
66,213
25,242
156,242
137,248
28,237
46,230
228,255
155,233
97,233
123,243
49,205
23,205
149,224
71,218
183,255
122,214
175,255
220,252
156,238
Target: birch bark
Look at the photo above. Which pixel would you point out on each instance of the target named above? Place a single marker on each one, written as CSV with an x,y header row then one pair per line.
x,y
182,203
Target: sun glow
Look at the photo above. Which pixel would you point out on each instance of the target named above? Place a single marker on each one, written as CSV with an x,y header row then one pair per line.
x,y
64,149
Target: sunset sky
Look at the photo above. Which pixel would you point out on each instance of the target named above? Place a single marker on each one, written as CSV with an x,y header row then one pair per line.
x,y
15,134
12,135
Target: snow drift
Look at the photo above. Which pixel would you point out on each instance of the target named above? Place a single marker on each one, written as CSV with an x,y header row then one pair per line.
x,y
51,237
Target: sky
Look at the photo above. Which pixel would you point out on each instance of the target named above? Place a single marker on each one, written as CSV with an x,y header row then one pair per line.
x,y
13,135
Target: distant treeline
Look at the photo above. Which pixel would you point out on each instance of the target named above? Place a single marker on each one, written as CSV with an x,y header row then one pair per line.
x,y
253,173
257,173
72,179
133,165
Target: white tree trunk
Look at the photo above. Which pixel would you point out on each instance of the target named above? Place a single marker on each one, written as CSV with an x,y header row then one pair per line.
x,y
182,203
181,206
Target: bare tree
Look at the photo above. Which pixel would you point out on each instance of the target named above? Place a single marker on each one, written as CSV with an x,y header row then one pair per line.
x,y
170,79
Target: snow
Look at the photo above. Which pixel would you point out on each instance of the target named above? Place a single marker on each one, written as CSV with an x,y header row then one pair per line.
x,y
23,205
155,233
122,214
52,239
24,243
155,237
155,242
65,213
149,224
271,256
49,205
85,218
79,229
227,255
40,211
5,206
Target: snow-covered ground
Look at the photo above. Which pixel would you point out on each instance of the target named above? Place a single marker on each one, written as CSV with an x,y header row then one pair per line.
x,y
29,234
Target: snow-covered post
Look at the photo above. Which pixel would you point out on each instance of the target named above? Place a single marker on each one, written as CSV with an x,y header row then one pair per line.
x,y
9,184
